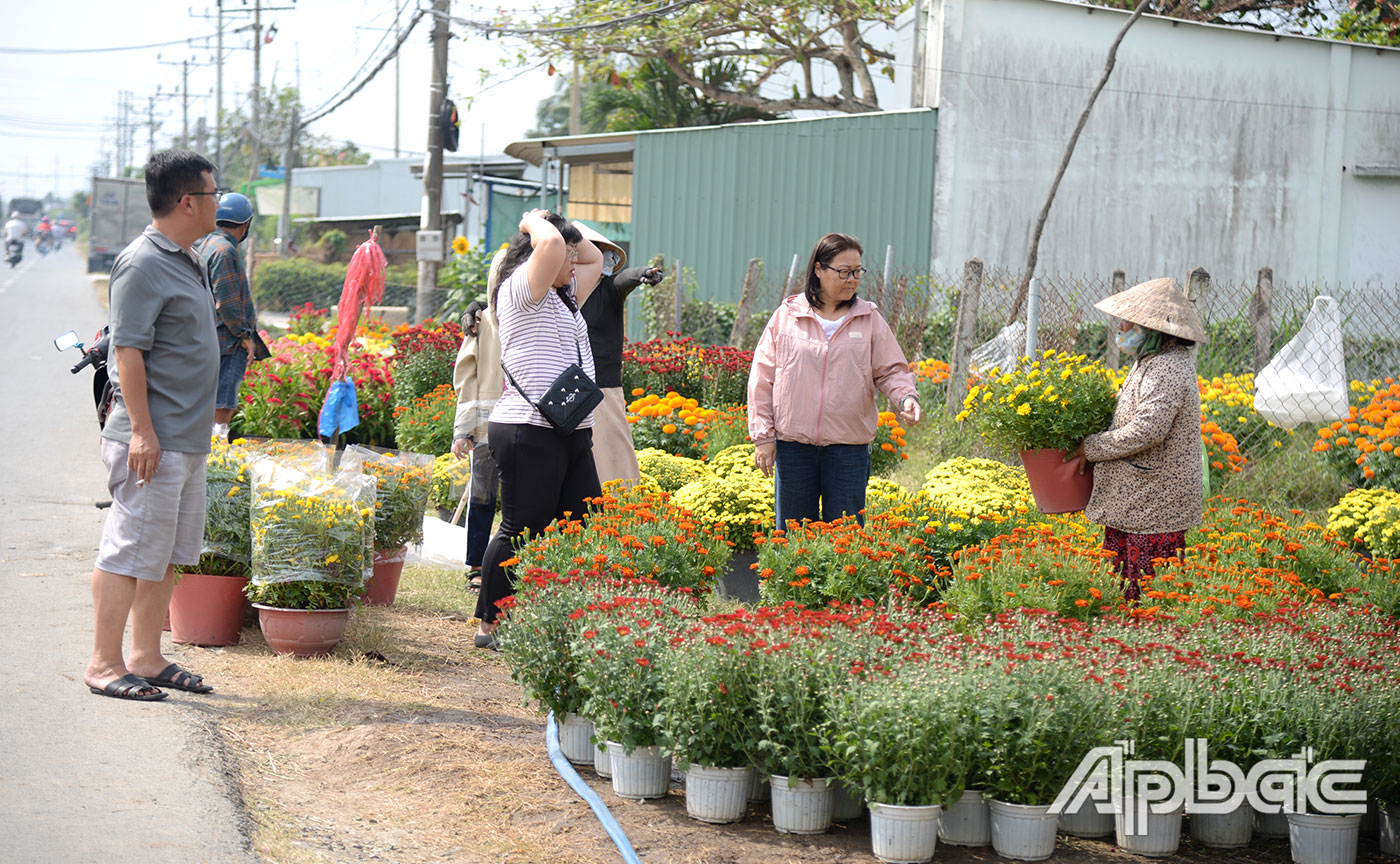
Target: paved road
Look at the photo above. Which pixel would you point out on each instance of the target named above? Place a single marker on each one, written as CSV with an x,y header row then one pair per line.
x,y
82,778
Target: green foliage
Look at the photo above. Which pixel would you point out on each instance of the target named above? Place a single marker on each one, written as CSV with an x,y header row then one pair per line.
x,y
333,240
424,425
902,739
535,636
420,373
304,594
280,285
463,279
706,712
652,96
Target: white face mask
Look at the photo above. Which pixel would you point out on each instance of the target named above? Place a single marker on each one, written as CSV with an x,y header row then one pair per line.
x,y
1131,340
610,261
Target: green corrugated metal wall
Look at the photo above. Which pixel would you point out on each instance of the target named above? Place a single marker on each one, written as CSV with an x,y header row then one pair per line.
x,y
716,197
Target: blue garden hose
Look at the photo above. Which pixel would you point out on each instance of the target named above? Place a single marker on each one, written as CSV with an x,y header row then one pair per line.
x,y
605,816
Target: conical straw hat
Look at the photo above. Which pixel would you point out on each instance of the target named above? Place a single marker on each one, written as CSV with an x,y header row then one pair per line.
x,y
1158,304
600,241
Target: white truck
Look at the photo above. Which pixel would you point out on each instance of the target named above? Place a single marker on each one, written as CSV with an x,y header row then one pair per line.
x,y
118,213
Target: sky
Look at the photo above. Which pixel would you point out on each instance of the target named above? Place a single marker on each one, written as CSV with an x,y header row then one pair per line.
x,y
57,111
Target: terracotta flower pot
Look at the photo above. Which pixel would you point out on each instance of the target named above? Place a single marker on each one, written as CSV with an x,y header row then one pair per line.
x,y
383,586
1057,485
302,632
207,610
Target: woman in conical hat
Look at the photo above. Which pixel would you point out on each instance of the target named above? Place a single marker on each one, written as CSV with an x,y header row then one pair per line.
x,y
1147,466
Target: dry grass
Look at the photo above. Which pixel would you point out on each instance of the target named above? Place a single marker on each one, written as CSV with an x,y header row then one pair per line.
x,y
408,745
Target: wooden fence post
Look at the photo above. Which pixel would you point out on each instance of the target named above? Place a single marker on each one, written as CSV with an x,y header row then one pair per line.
x,y
1197,287
1120,283
964,334
791,286
746,298
679,284
1261,310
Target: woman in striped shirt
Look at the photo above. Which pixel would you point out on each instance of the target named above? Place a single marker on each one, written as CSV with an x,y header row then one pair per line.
x,y
544,475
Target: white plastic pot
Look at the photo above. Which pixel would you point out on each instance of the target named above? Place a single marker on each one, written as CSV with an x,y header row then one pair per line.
x,y
645,773
801,805
847,803
1224,830
1390,831
1158,837
1087,821
1271,826
759,789
967,822
602,761
1023,831
1318,839
903,834
717,795
575,739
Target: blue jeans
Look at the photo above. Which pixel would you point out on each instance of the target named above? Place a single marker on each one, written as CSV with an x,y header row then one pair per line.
x,y
814,482
231,369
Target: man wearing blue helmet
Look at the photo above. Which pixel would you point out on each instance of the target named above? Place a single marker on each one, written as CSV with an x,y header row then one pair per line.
x,y
233,301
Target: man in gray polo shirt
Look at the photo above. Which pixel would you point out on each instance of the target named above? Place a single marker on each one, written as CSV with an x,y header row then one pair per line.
x,y
165,365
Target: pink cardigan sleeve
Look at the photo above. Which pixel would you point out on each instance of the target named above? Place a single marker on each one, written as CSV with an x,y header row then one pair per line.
x,y
761,376
887,362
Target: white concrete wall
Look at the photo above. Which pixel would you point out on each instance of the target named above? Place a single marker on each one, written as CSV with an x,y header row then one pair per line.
x,y
1211,146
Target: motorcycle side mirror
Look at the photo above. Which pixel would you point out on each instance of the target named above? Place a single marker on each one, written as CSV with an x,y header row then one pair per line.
x,y
67,340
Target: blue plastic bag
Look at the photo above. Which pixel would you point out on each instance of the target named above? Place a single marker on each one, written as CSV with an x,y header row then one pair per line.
x,y
341,413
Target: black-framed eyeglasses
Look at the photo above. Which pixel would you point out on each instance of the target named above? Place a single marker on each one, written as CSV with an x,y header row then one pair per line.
x,y
856,273
220,192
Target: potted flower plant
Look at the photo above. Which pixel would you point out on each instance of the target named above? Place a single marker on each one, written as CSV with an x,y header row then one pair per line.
x,y
402,497
207,605
706,719
617,655
312,539
903,742
539,624
1043,410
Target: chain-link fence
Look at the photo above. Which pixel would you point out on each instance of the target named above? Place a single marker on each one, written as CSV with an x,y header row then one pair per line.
x,y
1248,323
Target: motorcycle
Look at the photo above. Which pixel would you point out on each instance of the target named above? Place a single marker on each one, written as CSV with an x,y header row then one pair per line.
x,y
14,251
94,355
43,242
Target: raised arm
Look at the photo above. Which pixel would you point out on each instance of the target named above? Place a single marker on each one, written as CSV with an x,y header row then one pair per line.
x,y
547,253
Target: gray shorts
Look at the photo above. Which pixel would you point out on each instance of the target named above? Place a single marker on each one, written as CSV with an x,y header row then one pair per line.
x,y
153,526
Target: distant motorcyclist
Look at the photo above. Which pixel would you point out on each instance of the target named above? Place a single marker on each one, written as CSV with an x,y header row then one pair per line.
x,y
15,230
43,236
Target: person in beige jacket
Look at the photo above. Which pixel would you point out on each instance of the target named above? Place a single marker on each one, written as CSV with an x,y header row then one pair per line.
x,y
478,380
1147,466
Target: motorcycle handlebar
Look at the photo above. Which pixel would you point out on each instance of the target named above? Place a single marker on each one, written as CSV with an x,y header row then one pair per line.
x,y
87,360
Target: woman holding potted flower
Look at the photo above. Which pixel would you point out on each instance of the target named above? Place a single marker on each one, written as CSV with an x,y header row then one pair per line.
x,y
812,388
1147,466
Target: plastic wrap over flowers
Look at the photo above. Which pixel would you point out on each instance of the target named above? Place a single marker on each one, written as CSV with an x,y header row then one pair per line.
x,y
311,526
404,480
228,494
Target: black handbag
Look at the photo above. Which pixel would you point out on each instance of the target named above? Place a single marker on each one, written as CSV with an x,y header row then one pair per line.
x,y
568,400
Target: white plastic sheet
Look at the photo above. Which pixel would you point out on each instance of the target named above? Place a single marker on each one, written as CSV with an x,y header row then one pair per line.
x,y
1002,352
1306,382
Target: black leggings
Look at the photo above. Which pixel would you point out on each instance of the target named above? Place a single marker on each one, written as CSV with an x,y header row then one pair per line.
x,y
543,474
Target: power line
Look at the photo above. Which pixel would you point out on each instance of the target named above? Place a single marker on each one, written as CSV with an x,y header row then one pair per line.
x,y
488,28
12,50
322,112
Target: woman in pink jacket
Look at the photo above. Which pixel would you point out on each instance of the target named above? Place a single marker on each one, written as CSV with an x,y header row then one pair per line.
x,y
812,388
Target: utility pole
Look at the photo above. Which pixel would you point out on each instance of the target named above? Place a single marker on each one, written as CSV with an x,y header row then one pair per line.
x,y
428,295
185,103
284,224
396,86
150,125
255,131
219,91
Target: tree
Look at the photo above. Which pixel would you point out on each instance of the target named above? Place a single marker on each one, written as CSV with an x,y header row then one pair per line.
x,y
758,41
1373,21
652,96
274,122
